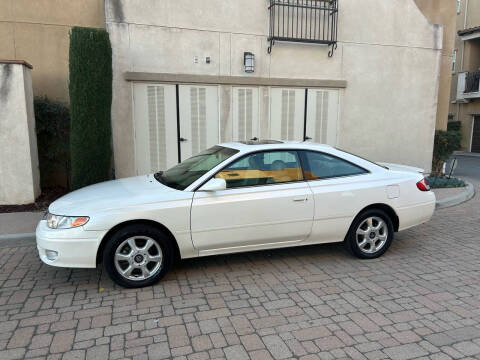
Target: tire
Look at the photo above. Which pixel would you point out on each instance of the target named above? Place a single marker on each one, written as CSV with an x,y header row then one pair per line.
x,y
138,255
375,234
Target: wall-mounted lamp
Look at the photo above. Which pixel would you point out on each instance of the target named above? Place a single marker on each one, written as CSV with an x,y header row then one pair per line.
x,y
249,62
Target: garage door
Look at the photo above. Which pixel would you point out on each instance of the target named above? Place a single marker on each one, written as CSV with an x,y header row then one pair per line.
x,y
166,133
476,135
161,138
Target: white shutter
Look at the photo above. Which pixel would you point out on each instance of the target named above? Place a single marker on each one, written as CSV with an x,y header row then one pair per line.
x,y
199,123
322,116
155,127
287,113
198,119
245,113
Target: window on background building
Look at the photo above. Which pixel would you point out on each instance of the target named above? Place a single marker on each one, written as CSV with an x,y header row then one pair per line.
x,y
454,61
459,6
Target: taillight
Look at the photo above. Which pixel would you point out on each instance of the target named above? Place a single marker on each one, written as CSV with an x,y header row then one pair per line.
x,y
423,185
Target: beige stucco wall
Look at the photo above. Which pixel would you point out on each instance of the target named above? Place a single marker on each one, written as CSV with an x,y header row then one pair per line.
x,y
38,32
443,12
19,171
389,57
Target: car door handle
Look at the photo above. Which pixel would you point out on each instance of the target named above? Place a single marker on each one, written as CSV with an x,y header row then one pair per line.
x,y
182,139
300,199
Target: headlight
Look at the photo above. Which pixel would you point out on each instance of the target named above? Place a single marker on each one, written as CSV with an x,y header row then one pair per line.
x,y
65,222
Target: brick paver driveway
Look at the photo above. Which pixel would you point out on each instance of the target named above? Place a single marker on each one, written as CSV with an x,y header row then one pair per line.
x,y
422,299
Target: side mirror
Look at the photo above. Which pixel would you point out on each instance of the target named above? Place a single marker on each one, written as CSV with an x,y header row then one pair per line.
x,y
214,184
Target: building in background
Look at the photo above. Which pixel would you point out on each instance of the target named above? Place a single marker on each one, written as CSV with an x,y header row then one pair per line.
x,y
465,93
38,32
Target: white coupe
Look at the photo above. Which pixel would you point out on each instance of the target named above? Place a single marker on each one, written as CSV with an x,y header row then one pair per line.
x,y
234,197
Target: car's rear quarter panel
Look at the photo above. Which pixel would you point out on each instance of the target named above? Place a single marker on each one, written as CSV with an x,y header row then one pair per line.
x,y
338,201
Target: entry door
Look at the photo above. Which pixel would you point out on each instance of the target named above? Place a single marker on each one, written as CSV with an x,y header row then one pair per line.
x,y
287,106
245,113
322,116
476,134
155,127
199,126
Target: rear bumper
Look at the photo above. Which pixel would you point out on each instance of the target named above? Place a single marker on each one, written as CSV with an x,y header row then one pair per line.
x,y
74,247
416,214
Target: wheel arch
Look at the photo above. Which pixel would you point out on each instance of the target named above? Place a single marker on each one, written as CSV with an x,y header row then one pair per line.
x,y
155,224
387,209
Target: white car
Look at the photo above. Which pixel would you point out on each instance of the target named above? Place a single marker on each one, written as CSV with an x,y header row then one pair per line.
x,y
234,197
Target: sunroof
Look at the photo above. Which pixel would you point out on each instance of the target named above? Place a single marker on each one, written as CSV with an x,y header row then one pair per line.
x,y
261,142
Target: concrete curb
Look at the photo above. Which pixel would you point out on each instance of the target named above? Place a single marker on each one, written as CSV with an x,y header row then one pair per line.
x,y
24,236
465,195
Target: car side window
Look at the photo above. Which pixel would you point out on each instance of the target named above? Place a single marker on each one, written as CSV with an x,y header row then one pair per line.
x,y
318,165
270,167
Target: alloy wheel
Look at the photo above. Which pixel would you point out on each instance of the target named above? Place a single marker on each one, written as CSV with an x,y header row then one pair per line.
x,y
138,258
371,234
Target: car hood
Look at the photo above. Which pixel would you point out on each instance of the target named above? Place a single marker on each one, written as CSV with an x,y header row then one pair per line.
x,y
112,194
402,168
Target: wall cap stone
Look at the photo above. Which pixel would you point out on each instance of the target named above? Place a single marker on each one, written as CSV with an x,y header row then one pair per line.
x,y
18,62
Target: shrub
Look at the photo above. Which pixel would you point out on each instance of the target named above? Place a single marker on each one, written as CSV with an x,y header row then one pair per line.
x,y
445,143
444,182
454,125
90,106
52,124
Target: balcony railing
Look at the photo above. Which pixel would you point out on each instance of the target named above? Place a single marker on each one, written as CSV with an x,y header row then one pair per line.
x,y
307,21
472,82
468,86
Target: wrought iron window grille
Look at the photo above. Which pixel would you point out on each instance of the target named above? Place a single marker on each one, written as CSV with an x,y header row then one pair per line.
x,y
305,21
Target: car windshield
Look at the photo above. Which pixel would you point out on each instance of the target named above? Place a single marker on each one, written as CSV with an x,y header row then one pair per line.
x,y
182,175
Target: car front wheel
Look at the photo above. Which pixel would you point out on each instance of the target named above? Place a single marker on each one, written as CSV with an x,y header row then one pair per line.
x,y
370,234
138,255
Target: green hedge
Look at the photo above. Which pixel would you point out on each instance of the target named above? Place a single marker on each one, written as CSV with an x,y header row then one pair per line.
x,y
90,106
444,182
52,123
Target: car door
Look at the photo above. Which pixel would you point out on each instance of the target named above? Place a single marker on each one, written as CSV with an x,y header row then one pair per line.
x,y
340,190
266,203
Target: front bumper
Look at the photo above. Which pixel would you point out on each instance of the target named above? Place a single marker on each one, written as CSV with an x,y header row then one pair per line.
x,y
75,247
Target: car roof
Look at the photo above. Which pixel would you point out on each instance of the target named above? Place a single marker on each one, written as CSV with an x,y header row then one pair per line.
x,y
248,146
262,145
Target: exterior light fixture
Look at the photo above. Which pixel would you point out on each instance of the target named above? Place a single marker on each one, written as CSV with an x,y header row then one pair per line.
x,y
249,62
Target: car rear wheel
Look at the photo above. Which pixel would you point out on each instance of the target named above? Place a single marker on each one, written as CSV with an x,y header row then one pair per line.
x,y
370,235
138,255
